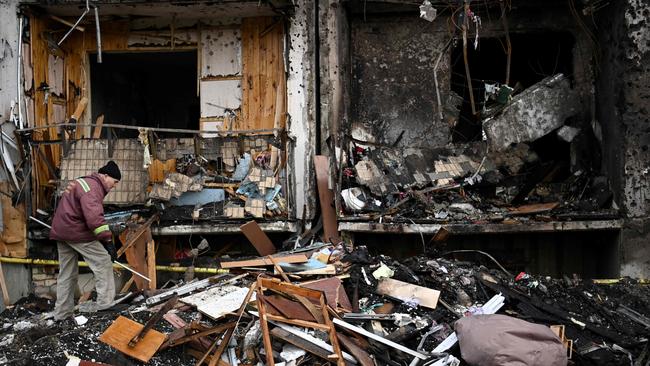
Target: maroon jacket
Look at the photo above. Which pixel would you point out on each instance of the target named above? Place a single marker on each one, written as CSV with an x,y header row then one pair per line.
x,y
79,218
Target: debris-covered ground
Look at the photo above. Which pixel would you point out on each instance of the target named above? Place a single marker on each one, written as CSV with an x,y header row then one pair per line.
x,y
606,322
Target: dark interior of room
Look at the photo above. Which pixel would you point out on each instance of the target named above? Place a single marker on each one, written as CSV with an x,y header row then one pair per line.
x,y
588,254
149,89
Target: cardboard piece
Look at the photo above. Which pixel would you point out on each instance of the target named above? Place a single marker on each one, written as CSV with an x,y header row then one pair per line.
x,y
407,292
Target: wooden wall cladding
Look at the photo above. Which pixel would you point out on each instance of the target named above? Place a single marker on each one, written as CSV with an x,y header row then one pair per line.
x,y
263,85
48,65
252,69
13,241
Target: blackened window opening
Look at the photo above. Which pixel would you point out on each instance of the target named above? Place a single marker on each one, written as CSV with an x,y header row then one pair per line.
x,y
534,57
147,89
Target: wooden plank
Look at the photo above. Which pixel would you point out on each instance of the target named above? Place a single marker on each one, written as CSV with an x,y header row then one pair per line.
x,y
338,354
334,293
192,337
151,260
153,320
258,238
290,289
97,133
197,354
127,285
76,116
326,198
246,77
136,257
5,291
297,322
533,208
289,308
303,344
359,353
178,323
40,57
293,258
405,291
123,330
158,170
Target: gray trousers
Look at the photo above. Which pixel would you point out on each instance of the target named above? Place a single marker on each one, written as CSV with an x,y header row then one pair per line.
x,y
99,262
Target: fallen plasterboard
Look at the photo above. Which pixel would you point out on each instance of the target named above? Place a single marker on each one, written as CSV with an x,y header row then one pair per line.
x,y
218,301
217,96
533,113
407,292
221,52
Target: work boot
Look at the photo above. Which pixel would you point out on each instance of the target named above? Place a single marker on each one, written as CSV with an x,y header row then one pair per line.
x,y
88,307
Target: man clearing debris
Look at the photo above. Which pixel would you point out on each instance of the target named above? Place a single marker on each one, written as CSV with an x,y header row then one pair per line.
x,y
79,227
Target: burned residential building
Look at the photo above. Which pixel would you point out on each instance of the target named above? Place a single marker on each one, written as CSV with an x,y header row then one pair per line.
x,y
514,128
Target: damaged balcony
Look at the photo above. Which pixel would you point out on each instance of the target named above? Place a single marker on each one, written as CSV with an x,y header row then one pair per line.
x,y
192,109
487,128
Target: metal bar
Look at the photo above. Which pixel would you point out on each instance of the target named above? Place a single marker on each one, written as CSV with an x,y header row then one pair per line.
x,y
18,68
69,24
75,24
132,271
379,339
53,262
10,141
40,222
265,131
99,36
179,291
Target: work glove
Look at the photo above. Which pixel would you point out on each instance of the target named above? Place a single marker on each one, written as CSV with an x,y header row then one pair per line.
x,y
110,248
117,229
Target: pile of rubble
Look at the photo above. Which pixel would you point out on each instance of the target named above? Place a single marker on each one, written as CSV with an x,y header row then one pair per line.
x,y
324,303
523,166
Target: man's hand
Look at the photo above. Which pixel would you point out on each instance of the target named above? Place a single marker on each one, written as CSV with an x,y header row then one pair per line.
x,y
110,248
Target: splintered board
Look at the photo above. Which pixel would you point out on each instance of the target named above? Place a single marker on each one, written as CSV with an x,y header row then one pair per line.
x,y
257,262
123,330
406,292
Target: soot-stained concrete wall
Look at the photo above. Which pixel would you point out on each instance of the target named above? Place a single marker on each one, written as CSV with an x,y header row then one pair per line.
x,y
393,87
623,94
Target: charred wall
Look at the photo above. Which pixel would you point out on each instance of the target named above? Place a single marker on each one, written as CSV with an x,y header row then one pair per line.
x,y
623,95
393,86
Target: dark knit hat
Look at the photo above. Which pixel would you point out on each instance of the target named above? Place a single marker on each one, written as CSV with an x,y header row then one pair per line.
x,y
112,170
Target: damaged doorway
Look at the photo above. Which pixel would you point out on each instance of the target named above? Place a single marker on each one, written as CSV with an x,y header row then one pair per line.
x,y
534,57
147,89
